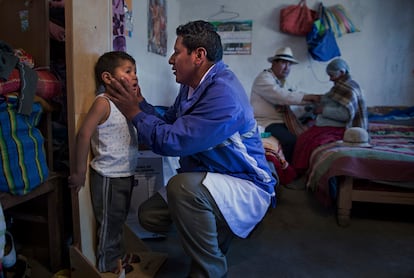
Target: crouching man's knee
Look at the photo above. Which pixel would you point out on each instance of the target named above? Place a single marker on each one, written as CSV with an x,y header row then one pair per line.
x,y
153,215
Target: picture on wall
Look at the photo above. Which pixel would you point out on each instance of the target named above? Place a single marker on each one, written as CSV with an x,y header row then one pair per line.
x,y
157,27
236,36
118,26
129,22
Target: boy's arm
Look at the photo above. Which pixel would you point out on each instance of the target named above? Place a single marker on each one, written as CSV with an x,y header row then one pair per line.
x,y
97,114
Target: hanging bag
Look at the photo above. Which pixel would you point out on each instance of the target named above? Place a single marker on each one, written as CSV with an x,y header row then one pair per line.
x,y
340,21
321,40
23,165
297,19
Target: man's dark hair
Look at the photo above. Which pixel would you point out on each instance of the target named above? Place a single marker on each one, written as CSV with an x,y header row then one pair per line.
x,y
201,34
108,62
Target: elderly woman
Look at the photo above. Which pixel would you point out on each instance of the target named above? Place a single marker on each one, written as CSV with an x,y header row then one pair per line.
x,y
342,107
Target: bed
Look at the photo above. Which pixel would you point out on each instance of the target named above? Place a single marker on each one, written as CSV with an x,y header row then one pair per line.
x,y
381,173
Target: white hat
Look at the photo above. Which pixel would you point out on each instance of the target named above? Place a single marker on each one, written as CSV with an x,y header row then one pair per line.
x,y
284,53
355,137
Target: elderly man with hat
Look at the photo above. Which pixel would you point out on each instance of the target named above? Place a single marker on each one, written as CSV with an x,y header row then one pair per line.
x,y
271,96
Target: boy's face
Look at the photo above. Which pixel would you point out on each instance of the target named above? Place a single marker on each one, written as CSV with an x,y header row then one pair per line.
x,y
127,70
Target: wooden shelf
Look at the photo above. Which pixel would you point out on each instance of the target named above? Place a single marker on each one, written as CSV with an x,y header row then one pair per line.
x,y
53,216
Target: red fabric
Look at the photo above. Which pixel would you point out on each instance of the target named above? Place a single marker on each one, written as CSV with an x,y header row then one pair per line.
x,y
308,141
25,57
48,86
274,154
297,19
12,84
286,175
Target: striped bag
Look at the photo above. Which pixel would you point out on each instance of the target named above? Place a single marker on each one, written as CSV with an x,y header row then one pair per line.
x,y
339,20
23,165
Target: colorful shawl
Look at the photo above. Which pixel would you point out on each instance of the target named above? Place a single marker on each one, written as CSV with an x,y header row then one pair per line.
x,y
292,122
348,93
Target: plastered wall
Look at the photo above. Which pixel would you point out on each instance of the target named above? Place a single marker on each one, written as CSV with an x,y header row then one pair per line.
x,y
381,55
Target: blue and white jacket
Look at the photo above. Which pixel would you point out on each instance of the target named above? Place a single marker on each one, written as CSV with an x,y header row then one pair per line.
x,y
212,131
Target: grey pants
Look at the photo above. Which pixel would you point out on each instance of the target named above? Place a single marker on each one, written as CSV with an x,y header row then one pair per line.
x,y
111,198
203,231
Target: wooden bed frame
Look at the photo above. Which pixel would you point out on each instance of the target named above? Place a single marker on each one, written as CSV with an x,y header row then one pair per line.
x,y
356,189
350,190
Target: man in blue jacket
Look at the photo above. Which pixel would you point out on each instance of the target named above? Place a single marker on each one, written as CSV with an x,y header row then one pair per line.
x,y
224,186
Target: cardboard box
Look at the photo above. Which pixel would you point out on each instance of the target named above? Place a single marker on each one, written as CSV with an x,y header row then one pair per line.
x,y
153,172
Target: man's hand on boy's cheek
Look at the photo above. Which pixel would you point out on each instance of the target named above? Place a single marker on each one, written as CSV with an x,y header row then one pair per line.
x,y
122,94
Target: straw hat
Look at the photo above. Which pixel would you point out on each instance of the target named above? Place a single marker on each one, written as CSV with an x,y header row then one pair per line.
x,y
355,137
284,53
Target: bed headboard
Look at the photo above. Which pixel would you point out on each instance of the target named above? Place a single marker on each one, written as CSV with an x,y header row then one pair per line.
x,y
25,24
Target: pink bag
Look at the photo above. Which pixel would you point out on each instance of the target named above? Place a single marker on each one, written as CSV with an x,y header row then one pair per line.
x,y
297,19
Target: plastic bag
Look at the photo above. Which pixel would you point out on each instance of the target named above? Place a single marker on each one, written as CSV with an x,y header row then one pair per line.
x,y
297,19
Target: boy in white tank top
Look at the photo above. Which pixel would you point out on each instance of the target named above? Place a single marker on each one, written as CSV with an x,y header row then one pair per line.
x,y
114,145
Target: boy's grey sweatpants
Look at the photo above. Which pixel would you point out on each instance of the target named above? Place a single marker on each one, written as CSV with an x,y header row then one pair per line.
x,y
111,198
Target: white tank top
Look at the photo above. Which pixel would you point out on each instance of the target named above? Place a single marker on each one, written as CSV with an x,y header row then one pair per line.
x,y
114,145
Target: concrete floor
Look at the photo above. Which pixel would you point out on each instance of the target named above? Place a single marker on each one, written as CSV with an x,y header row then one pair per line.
x,y
300,238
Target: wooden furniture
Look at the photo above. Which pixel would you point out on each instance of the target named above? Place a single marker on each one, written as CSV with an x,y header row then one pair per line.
x,y
379,173
26,25
50,193
358,190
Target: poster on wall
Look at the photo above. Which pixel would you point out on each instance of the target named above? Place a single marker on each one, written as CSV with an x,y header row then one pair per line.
x,y
157,27
118,25
236,36
129,23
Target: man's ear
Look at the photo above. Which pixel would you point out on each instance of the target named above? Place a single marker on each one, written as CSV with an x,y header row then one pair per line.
x,y
201,52
106,77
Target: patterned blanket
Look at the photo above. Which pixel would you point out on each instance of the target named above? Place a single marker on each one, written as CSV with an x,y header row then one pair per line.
x,y
275,156
390,159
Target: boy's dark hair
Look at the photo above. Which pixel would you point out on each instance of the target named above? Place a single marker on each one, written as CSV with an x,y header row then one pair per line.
x,y
108,62
201,34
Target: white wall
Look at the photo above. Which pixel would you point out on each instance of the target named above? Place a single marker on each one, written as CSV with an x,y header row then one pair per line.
x,y
381,56
154,73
